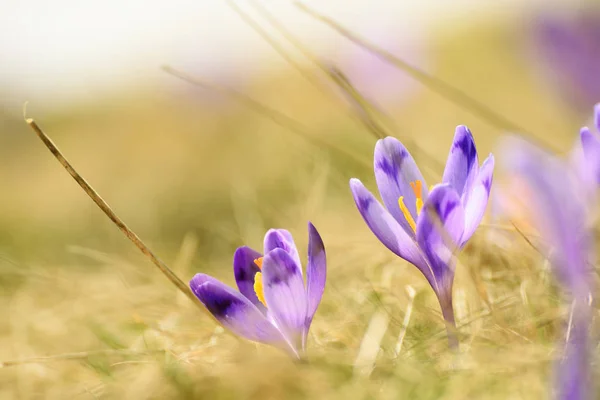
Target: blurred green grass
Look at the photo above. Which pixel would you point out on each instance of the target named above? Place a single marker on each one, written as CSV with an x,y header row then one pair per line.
x,y
195,182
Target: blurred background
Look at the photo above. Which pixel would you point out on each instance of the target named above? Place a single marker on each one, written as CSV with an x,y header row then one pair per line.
x,y
205,123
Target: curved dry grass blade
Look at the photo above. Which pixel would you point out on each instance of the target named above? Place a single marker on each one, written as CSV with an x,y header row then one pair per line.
x,y
276,46
369,114
371,344
276,116
111,214
411,293
78,356
444,89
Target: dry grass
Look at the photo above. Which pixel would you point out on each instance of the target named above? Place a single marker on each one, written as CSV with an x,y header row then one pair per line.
x,y
84,316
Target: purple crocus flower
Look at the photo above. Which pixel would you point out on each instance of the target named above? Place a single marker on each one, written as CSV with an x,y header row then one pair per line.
x,y
273,305
556,203
457,204
570,50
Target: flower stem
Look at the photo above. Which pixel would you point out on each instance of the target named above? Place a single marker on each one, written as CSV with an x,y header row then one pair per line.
x,y
448,313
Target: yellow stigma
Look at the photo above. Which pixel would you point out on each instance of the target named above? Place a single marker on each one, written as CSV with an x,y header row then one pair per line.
x,y
258,287
407,214
258,262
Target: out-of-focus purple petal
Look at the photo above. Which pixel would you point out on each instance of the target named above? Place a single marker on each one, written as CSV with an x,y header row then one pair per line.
x,y
282,239
316,272
597,116
439,231
385,227
244,270
590,142
462,166
234,311
573,380
478,199
556,206
570,49
285,294
395,169
558,210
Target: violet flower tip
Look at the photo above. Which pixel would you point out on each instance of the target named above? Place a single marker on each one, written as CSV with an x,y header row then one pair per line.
x,y
463,129
354,182
197,281
583,132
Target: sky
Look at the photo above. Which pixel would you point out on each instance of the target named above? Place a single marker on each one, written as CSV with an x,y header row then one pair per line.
x,y
67,50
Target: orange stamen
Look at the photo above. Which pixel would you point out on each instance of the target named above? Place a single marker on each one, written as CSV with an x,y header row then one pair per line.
x,y
417,187
259,262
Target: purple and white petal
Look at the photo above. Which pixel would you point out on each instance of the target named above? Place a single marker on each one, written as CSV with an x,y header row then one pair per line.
x,y
395,169
245,270
282,239
462,166
316,272
439,230
478,199
385,227
234,311
597,117
285,294
590,143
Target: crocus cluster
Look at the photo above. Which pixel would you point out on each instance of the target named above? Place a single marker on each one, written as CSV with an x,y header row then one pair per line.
x,y
426,227
272,304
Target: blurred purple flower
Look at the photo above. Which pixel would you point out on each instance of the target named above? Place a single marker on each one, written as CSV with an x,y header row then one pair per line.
x,y
453,210
557,206
272,306
376,79
570,50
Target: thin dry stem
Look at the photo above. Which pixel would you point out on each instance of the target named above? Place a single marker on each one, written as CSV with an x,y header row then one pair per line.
x,y
411,293
443,88
111,214
279,118
77,356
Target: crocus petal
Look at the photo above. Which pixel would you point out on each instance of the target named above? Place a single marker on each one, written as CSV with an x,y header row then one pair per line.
x,y
385,227
245,270
597,117
285,294
558,212
316,272
590,143
573,370
556,206
462,166
439,230
478,199
282,239
395,169
234,311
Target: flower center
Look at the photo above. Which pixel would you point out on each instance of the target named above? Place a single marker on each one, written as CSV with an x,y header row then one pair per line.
x,y
417,187
258,283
